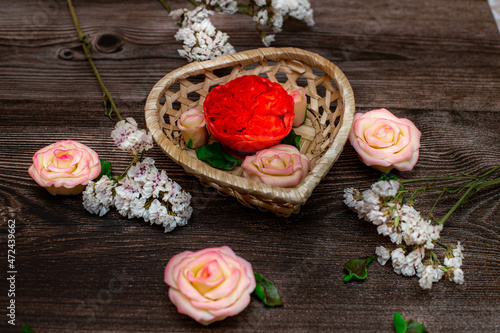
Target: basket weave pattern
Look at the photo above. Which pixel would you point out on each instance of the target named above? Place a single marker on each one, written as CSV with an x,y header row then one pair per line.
x,y
324,133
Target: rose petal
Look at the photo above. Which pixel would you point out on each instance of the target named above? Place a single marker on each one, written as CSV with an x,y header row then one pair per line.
x,y
172,269
184,306
236,308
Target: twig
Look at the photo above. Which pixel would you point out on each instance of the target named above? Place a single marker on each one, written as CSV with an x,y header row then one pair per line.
x,y
84,40
164,4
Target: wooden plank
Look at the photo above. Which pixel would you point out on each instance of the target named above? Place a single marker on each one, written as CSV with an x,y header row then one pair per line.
x,y
446,52
434,62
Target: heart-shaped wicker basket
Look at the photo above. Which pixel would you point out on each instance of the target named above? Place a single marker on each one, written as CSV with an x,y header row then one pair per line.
x,y
324,133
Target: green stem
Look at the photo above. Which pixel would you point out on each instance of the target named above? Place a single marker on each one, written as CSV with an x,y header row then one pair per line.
x,y
416,193
488,183
433,257
435,203
129,166
490,172
164,4
441,244
459,202
194,3
436,178
86,49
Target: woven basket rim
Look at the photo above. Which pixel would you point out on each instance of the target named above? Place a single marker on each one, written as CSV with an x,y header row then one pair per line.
x,y
296,195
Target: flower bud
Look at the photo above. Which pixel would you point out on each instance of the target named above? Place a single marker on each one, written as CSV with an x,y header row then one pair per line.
x,y
193,128
300,100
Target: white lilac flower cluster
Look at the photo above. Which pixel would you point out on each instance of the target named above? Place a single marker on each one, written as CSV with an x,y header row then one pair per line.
x,y
406,228
276,12
129,137
202,41
145,193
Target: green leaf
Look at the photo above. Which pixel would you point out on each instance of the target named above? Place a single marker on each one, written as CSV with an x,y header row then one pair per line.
x,y
266,291
387,176
190,143
356,268
105,170
26,329
414,327
215,155
292,139
409,326
399,323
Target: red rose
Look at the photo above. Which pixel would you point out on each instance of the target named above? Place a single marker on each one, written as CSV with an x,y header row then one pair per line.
x,y
249,113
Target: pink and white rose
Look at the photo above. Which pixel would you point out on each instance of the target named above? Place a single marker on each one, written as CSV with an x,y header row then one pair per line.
x,y
209,285
193,127
384,141
281,165
300,107
65,167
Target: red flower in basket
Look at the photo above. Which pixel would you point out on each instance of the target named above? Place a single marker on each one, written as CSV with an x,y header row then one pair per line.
x,y
249,113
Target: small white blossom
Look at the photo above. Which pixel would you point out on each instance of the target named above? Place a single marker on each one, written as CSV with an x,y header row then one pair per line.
x,y
419,268
430,275
457,251
377,217
454,262
186,17
413,261
127,192
371,198
177,15
384,230
416,256
427,277
268,40
398,259
350,195
386,188
201,39
298,9
261,17
277,11
456,275
454,258
224,6
129,137
98,196
396,237
383,255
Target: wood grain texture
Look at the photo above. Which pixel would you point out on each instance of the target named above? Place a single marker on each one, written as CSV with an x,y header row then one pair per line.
x,y
434,62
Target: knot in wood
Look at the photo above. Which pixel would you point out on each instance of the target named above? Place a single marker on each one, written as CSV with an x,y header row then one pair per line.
x,y
109,43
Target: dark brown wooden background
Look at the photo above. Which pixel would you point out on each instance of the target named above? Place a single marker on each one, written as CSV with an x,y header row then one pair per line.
x,y
436,62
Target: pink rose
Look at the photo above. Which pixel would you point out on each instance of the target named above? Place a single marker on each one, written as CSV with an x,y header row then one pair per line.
x,y
209,285
193,128
300,100
65,167
281,165
384,141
